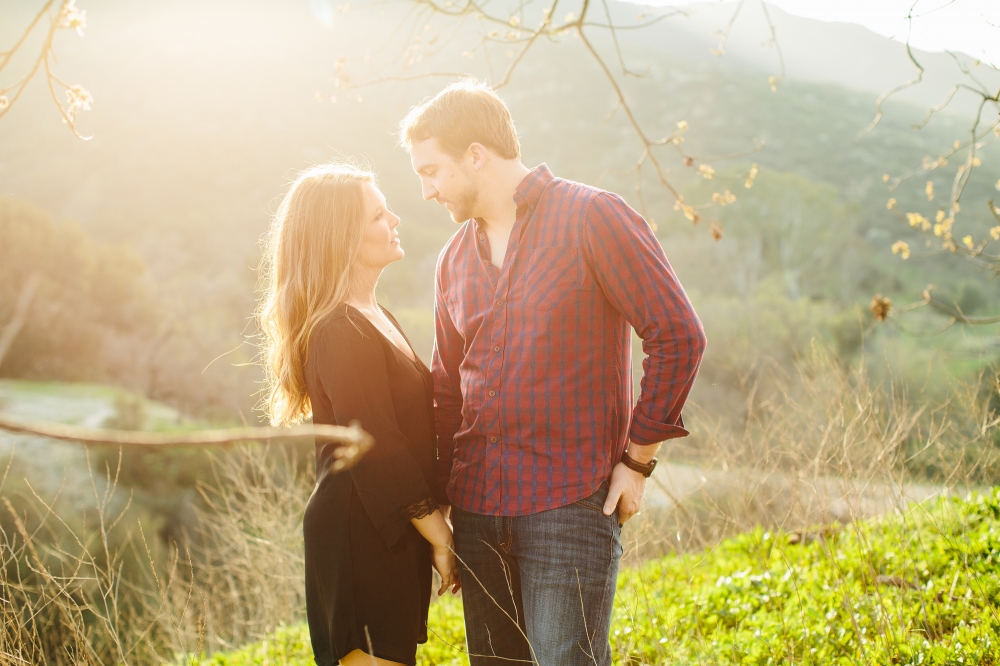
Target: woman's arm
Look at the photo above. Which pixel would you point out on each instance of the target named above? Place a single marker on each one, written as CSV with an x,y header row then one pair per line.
x,y
434,528
350,367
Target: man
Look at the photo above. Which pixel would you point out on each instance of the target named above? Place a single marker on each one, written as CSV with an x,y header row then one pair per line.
x,y
543,454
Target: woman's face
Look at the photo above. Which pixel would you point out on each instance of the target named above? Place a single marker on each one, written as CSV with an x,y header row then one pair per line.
x,y
379,239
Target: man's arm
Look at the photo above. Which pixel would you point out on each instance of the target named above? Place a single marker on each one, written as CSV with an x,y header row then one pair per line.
x,y
629,265
445,361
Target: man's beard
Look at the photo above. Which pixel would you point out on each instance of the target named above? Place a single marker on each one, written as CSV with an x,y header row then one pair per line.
x,y
464,207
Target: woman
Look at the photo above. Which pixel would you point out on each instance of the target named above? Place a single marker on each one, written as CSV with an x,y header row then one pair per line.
x,y
371,533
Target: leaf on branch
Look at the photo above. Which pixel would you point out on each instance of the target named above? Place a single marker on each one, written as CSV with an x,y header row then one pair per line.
x,y
902,249
706,171
724,198
751,176
885,179
881,307
77,100
944,228
967,241
72,17
929,190
891,203
915,219
995,233
716,231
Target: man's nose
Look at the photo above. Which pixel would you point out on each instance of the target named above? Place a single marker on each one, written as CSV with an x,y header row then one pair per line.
x,y
428,191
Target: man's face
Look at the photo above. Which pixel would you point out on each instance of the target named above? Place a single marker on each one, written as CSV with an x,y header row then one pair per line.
x,y
445,179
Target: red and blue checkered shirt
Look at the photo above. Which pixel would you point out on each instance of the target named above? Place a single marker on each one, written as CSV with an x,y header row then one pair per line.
x,y
532,362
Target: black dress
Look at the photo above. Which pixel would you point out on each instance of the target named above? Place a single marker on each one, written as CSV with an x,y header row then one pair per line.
x,y
367,567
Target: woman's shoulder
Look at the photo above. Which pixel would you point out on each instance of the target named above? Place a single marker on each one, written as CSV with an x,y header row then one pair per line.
x,y
344,336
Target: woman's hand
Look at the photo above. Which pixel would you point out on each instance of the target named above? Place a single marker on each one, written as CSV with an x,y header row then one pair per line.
x,y
436,530
446,563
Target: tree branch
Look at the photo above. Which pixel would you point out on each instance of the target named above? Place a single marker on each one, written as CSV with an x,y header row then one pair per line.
x,y
352,441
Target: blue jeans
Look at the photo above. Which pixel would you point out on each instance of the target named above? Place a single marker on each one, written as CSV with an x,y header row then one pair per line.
x,y
539,588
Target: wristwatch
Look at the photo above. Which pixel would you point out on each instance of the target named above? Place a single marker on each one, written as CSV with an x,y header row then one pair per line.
x,y
643,468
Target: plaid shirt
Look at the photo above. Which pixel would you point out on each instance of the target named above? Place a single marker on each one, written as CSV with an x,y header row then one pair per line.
x,y
532,362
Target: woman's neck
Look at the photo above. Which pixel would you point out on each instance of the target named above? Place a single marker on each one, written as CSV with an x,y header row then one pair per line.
x,y
363,294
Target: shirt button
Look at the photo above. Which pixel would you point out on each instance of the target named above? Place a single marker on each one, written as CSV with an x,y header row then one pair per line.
x,y
496,349
493,439
492,393
482,236
499,303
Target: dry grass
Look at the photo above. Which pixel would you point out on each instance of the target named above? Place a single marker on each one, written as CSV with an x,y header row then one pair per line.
x,y
827,444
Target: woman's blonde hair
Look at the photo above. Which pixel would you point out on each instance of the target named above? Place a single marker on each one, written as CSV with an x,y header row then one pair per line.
x,y
314,240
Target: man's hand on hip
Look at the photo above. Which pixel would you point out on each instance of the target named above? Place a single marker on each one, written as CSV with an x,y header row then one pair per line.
x,y
627,485
627,488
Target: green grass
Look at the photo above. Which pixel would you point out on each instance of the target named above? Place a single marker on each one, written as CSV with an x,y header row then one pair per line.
x,y
917,588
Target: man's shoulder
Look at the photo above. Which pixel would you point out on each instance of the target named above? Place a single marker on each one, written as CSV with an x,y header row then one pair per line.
x,y
562,190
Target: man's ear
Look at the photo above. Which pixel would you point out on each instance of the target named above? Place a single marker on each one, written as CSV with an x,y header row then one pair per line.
x,y
477,154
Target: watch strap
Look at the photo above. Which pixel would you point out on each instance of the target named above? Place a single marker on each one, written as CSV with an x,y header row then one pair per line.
x,y
646,469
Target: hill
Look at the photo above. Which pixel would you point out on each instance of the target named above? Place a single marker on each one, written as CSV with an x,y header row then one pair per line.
x,y
204,110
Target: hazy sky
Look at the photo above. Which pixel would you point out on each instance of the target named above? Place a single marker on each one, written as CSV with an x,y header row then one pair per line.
x,y
967,26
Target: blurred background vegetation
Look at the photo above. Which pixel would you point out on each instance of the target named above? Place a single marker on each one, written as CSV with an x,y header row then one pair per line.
x,y
146,238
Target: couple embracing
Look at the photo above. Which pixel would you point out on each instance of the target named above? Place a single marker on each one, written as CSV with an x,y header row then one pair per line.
x,y
522,435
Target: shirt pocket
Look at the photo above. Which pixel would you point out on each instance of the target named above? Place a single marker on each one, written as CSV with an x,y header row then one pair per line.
x,y
551,277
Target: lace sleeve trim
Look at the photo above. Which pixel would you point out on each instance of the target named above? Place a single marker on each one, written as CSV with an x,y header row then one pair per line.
x,y
421,509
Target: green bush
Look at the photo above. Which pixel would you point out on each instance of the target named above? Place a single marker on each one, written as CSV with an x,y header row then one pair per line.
x,y
922,587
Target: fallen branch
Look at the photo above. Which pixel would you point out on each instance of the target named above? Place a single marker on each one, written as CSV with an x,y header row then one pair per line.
x,y
353,441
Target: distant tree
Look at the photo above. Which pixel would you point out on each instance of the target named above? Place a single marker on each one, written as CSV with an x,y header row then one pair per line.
x,y
795,231
83,291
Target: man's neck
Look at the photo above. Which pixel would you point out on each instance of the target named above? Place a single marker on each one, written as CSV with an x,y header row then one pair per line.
x,y
497,208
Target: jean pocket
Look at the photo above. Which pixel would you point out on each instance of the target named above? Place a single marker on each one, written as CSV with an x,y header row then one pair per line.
x,y
595,501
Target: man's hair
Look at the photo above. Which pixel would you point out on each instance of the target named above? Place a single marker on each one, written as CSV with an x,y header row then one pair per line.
x,y
466,112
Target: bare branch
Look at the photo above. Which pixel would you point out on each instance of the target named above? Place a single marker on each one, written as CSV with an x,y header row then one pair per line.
x,y
352,441
724,34
956,314
78,99
934,109
886,95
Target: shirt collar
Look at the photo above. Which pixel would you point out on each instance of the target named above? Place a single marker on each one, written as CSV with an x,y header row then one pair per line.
x,y
529,191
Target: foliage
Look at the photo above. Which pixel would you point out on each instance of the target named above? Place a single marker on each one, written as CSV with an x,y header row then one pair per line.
x,y
922,587
88,293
